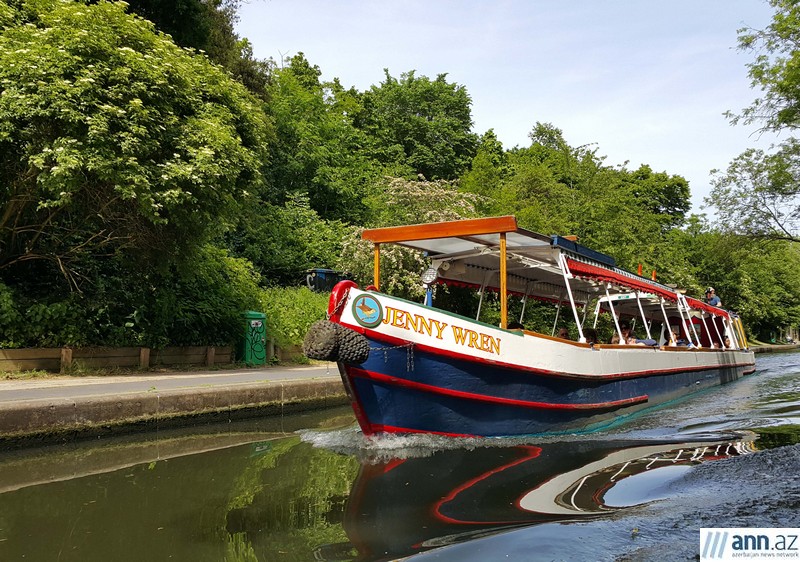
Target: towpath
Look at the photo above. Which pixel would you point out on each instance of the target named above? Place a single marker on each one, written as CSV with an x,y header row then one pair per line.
x,y
61,407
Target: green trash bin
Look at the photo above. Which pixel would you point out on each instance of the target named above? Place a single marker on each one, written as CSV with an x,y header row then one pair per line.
x,y
253,348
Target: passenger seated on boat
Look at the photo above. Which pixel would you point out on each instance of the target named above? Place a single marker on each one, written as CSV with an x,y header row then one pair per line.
x,y
563,333
627,336
646,341
517,326
631,339
681,342
591,335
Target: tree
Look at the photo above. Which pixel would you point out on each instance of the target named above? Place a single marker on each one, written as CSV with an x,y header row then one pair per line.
x,y
759,194
114,140
208,26
775,70
283,241
488,171
664,195
318,152
397,201
420,123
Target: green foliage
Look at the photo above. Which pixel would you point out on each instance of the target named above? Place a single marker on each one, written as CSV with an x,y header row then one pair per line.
x,y
774,70
283,242
422,123
486,175
394,202
318,152
114,139
200,304
127,162
297,493
555,188
759,194
208,26
290,312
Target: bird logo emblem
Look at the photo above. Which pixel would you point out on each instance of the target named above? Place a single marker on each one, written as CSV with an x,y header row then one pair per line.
x,y
367,311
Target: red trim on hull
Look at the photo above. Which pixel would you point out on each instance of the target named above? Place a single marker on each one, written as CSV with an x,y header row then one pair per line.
x,y
544,372
422,387
532,453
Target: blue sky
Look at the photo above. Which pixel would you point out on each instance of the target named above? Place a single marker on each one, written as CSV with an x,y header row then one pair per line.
x,y
646,81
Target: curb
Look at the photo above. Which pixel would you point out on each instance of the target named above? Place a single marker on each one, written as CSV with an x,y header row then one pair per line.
x,y
57,419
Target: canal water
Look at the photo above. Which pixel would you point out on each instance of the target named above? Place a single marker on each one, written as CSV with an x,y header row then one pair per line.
x,y
313,488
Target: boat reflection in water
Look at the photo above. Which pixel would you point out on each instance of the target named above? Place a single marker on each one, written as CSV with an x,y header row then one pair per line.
x,y
400,507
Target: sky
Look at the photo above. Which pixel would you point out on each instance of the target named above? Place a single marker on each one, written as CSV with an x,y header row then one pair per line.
x,y
646,81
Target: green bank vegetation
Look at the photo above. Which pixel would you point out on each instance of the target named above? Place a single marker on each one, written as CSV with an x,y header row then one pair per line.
x,y
156,180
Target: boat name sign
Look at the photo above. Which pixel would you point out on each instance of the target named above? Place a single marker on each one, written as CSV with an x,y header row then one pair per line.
x,y
369,312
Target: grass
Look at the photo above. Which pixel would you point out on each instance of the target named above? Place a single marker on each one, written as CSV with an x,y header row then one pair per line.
x,y
23,375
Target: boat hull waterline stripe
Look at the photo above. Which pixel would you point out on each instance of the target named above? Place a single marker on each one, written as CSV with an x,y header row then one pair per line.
x,y
422,387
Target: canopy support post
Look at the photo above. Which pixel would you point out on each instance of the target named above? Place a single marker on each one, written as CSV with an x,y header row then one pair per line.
x,y
483,291
524,301
686,306
614,313
565,271
732,334
503,283
376,268
558,311
672,340
683,320
721,339
585,311
641,311
596,314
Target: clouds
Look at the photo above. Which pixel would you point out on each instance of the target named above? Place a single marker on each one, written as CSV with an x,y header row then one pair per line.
x,y
647,81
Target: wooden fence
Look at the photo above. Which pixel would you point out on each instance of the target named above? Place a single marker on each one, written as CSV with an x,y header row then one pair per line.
x,y
62,359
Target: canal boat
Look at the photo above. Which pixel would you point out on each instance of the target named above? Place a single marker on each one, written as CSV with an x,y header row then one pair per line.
x,y
410,367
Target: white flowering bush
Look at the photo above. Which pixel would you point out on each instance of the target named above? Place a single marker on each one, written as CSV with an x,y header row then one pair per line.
x,y
402,202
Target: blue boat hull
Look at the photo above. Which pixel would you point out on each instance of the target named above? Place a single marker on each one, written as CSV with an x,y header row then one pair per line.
x,y
402,389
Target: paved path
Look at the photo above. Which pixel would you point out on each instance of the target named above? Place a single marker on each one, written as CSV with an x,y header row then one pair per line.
x,y
70,387
66,406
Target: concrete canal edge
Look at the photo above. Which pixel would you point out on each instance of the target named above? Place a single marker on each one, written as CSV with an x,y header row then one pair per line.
x,y
775,348
62,419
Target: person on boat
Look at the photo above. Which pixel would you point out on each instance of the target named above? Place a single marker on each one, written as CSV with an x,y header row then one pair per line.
x,y
630,338
516,326
563,333
678,340
712,298
627,338
591,335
